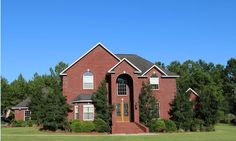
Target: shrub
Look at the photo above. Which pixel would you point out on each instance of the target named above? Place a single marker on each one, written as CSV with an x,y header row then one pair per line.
x,y
228,118
101,125
75,126
233,121
87,126
19,123
157,125
170,126
82,126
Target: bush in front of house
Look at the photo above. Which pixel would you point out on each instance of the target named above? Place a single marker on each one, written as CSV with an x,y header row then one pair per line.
x,y
157,125
82,126
101,125
87,126
19,123
170,126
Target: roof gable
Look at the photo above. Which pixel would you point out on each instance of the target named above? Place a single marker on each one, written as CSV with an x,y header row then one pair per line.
x,y
194,92
124,59
95,46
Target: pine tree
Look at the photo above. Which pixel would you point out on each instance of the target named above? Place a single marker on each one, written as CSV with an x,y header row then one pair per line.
x,y
208,106
147,105
103,109
182,111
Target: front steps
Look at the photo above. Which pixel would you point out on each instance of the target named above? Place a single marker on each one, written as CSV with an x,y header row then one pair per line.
x,y
129,128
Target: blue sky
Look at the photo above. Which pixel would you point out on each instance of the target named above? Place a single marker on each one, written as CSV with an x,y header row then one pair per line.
x,y
37,34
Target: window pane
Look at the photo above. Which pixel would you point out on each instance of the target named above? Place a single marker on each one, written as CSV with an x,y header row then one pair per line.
x,y
118,113
126,109
154,80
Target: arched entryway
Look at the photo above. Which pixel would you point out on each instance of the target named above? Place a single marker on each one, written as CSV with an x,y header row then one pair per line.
x,y
125,98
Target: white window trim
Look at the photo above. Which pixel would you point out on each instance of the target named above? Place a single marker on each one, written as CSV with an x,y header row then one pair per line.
x,y
76,106
84,119
117,90
156,84
24,114
86,88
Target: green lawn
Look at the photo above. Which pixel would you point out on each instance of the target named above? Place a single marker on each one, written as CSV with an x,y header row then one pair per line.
x,y
222,133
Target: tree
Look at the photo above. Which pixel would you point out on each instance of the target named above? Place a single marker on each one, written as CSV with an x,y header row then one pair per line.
x,y
5,95
57,70
230,84
103,109
147,105
208,106
182,111
18,90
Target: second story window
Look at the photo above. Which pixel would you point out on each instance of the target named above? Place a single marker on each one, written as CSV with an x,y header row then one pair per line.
x,y
88,82
121,86
154,82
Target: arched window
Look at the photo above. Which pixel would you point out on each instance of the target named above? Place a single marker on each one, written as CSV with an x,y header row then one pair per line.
x,y
121,86
154,82
88,80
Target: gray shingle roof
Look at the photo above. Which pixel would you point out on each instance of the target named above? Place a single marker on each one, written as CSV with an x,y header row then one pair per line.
x,y
24,103
141,63
83,97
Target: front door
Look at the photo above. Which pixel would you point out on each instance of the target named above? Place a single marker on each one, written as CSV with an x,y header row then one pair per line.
x,y
123,111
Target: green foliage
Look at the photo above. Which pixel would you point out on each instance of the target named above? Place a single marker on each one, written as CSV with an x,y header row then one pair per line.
x,y
75,126
230,85
103,109
82,126
228,118
21,123
18,123
87,126
182,111
208,106
47,103
157,125
147,105
101,125
170,126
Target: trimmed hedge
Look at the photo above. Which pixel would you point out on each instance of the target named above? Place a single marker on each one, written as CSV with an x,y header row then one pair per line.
x,y
21,123
82,126
170,126
158,125
101,125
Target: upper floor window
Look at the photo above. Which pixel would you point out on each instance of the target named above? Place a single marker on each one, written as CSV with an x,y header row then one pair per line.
x,y
121,86
154,82
88,80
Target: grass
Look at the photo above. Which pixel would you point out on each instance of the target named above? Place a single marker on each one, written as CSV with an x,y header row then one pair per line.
x,y
223,133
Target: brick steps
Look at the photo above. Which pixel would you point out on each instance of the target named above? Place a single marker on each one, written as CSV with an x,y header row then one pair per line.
x,y
128,128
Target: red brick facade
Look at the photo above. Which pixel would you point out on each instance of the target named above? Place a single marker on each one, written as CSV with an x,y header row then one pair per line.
x,y
99,61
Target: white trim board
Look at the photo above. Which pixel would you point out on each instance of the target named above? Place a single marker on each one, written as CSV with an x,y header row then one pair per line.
x,y
63,72
194,92
124,59
156,68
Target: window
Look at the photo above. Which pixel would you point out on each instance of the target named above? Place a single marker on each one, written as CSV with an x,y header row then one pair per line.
x,y
154,82
121,86
88,112
88,80
27,115
126,109
118,113
76,112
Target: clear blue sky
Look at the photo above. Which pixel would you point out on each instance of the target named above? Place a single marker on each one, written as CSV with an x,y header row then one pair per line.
x,y
37,34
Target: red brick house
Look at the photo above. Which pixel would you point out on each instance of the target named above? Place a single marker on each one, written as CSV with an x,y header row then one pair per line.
x,y
124,74
21,110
